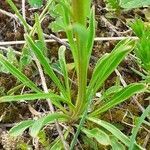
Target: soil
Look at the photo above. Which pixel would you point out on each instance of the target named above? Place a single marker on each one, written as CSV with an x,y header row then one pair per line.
x,y
108,24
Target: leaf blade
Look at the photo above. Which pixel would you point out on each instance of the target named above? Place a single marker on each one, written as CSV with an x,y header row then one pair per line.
x,y
137,126
44,63
107,64
116,132
97,134
28,97
51,118
19,128
18,74
120,96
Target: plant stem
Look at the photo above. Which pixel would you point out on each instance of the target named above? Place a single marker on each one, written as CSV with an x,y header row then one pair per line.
x,y
79,17
79,12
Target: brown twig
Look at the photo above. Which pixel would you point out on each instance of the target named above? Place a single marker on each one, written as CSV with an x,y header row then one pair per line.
x,y
9,14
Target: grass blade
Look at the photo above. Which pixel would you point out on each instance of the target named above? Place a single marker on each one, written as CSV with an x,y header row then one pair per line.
x,y
74,141
137,126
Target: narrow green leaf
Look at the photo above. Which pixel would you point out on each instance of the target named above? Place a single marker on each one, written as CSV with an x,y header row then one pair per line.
x,y
15,9
28,97
110,92
116,132
107,64
40,34
91,34
18,74
19,128
88,104
63,66
65,12
43,60
146,123
14,89
97,134
116,145
120,96
40,123
137,126
56,99
57,144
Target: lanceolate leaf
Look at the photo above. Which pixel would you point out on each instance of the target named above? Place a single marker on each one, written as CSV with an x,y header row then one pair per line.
x,y
45,63
96,72
63,66
19,128
91,30
120,96
97,134
106,65
82,37
40,34
18,74
116,145
56,99
116,132
138,27
28,97
51,118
